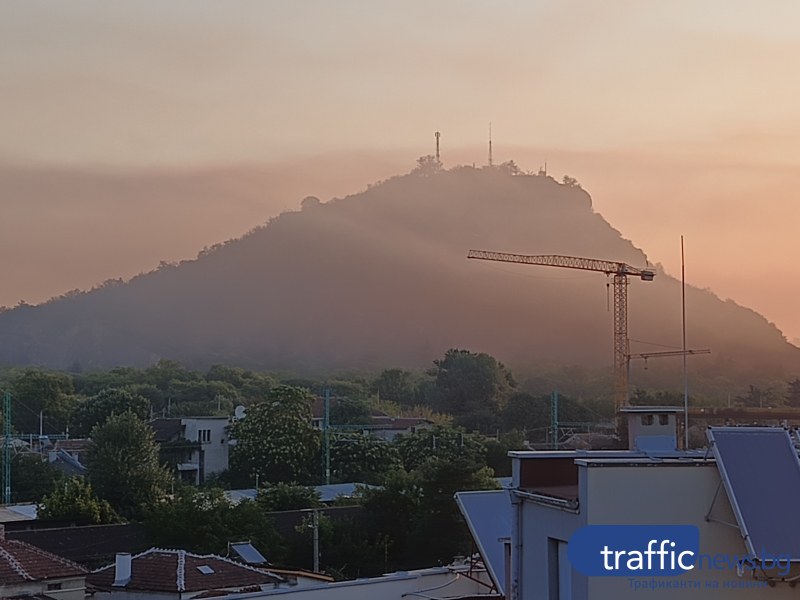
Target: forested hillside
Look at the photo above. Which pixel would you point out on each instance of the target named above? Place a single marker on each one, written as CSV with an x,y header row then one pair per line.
x,y
380,279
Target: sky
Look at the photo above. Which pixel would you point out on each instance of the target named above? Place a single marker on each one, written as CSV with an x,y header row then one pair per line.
x,y
135,132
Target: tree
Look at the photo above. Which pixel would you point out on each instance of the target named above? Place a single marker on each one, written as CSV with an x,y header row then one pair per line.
x,y
350,411
276,441
204,521
467,382
31,477
793,392
438,480
360,458
497,450
510,168
124,466
38,392
427,165
527,413
446,443
287,496
756,396
396,385
96,409
76,500
389,515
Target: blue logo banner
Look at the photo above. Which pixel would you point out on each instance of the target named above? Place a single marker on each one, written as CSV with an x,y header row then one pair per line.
x,y
634,550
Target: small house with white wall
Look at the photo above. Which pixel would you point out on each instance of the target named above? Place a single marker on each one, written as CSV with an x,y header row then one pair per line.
x,y
200,445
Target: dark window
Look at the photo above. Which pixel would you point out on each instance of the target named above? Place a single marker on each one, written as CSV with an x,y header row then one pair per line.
x,y
53,586
647,420
663,419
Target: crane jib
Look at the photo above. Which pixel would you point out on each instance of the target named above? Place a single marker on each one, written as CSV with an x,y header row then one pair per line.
x,y
568,262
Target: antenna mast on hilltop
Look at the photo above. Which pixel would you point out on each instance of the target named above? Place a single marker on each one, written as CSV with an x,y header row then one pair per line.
x,y
491,163
438,135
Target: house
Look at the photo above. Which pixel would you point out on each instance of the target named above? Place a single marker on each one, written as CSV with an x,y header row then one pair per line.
x,y
740,496
328,494
196,446
26,570
160,574
380,425
178,575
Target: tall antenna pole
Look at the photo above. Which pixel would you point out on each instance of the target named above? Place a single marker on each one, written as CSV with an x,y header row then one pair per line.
x,y
685,377
491,162
7,448
326,434
438,135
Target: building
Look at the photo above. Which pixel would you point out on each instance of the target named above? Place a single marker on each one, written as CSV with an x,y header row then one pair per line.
x,y
196,446
179,575
328,494
26,570
176,574
741,494
379,425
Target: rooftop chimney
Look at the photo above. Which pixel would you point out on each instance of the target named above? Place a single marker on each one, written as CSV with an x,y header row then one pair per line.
x,y
122,569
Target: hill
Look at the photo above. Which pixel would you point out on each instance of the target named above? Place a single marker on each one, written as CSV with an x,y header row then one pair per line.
x,y
380,279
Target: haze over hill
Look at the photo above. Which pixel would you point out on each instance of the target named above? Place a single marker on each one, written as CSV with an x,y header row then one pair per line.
x,y
381,279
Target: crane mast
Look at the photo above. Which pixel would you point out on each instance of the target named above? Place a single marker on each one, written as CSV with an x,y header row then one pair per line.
x,y
619,271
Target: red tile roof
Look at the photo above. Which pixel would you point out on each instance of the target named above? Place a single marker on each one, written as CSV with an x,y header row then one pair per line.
x,y
21,562
160,570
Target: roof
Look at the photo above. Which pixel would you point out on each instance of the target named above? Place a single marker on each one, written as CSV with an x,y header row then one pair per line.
x,y
21,563
327,493
65,462
386,422
74,445
96,544
17,512
295,573
488,516
163,570
166,429
651,409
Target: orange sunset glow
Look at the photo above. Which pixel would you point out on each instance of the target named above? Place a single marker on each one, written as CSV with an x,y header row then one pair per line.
x,y
134,133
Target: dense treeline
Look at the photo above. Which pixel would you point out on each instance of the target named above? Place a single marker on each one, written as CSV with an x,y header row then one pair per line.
x,y
407,517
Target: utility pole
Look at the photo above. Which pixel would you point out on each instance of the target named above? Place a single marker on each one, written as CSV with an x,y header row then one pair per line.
x,y
554,420
438,135
7,448
315,527
326,435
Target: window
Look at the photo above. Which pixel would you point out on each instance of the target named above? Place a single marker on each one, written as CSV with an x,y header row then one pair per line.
x,y
53,586
204,436
559,572
647,420
663,419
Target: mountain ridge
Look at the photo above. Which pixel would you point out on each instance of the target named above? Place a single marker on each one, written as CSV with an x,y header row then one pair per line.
x,y
380,278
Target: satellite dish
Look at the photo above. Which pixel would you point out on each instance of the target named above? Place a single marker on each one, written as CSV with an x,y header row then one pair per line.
x,y
240,412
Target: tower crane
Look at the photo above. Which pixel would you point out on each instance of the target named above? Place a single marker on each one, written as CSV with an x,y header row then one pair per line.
x,y
620,272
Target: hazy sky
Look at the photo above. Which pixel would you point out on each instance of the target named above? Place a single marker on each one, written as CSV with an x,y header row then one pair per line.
x,y
679,117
